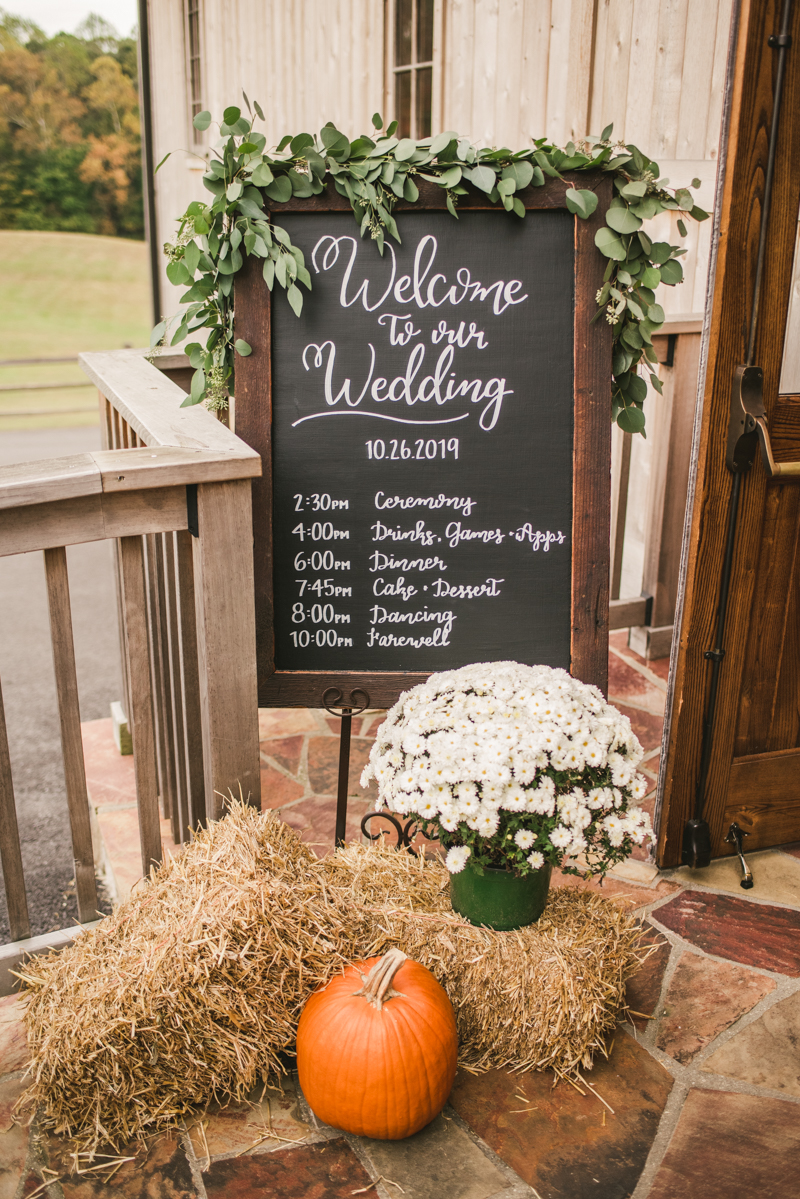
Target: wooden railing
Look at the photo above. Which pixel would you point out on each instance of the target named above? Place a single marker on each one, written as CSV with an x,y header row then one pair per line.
x,y
172,487
650,616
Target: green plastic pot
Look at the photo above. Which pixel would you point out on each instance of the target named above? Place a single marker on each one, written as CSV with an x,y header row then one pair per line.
x,y
497,898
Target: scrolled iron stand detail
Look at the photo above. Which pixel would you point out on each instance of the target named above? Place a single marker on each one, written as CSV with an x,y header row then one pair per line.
x,y
331,701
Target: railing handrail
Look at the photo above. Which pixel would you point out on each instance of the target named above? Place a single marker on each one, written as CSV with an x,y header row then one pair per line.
x,y
106,471
150,402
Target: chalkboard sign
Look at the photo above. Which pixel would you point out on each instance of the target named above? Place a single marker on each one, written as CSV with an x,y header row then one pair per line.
x,y
436,425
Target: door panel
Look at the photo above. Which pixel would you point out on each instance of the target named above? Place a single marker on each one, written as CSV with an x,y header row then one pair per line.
x,y
755,764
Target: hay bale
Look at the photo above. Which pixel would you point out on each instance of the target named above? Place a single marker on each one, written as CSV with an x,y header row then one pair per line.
x,y
191,991
542,996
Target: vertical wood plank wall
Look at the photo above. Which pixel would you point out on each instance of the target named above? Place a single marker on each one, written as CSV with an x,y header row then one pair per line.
x,y
509,70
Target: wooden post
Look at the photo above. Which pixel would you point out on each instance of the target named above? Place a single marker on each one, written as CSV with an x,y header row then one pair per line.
x,y
55,565
672,435
141,714
10,855
226,643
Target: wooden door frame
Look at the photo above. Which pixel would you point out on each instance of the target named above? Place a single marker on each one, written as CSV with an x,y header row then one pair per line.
x,y
734,253
591,494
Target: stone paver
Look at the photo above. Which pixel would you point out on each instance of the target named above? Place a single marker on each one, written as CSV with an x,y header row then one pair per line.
x,y
644,988
626,685
731,1147
161,1172
439,1161
267,1123
324,1171
704,998
13,1038
753,934
564,1144
767,1052
776,876
13,1139
277,790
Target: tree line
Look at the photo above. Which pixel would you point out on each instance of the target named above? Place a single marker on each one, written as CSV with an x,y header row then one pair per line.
x,y
69,129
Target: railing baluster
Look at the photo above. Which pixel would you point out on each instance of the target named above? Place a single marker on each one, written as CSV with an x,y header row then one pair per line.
x,y
10,854
165,729
176,686
156,666
141,714
190,679
55,564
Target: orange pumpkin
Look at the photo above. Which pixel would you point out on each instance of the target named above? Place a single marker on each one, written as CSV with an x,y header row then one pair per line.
x,y
377,1048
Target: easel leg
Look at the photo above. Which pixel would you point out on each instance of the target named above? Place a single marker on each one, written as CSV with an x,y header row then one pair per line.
x,y
344,775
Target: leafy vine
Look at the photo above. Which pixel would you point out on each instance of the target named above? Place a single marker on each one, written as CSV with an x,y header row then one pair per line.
x,y
374,173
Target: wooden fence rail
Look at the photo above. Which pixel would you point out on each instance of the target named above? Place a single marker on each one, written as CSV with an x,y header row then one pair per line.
x,y
172,488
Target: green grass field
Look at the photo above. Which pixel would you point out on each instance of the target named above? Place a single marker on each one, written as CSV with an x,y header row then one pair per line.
x,y
60,294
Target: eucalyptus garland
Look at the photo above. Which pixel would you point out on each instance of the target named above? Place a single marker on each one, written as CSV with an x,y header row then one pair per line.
x,y
374,172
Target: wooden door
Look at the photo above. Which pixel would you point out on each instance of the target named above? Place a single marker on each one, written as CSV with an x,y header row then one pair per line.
x,y
754,775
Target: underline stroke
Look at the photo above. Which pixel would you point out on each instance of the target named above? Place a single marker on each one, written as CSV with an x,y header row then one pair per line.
x,y
379,416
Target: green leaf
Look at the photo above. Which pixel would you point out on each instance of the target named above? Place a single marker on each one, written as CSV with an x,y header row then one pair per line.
x,y
295,298
699,214
233,191
450,177
681,228
441,142
506,187
299,143
410,193
231,115
269,272
660,252
377,120
242,348
609,245
390,132
158,333
606,134
163,160
635,190
519,207
482,177
636,388
178,274
520,172
405,149
202,121
280,189
655,314
695,183
656,382
198,385
623,220
671,273
631,420
582,203
191,257
684,198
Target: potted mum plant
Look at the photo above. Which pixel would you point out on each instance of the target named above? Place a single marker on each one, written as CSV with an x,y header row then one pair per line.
x,y
514,769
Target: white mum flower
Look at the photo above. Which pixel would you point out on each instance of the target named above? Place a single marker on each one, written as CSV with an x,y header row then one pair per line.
x,y
536,860
469,806
407,780
638,787
560,837
524,838
457,858
466,791
516,799
449,822
488,823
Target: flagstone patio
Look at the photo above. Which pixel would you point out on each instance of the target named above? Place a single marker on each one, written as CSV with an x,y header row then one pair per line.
x,y
700,1095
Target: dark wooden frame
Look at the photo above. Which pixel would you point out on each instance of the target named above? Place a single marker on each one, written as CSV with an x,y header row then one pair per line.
x,y
591,497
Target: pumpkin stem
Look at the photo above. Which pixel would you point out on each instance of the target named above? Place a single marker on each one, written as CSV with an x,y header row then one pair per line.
x,y
378,983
